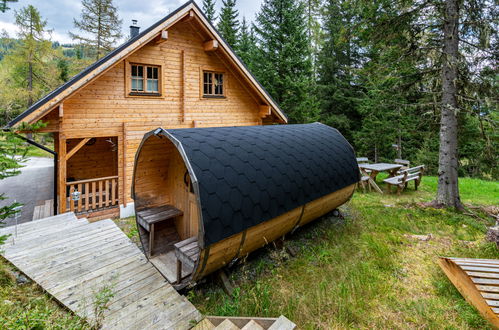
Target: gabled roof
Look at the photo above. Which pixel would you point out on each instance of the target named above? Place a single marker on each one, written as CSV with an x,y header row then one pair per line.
x,y
51,100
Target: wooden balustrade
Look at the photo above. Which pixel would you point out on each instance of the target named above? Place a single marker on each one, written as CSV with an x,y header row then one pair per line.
x,y
94,194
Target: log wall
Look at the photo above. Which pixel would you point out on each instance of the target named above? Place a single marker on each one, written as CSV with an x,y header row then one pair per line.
x,y
104,108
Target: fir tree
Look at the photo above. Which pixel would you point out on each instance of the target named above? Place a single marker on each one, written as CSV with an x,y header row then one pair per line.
x,y
4,5
283,64
209,10
228,25
99,19
247,45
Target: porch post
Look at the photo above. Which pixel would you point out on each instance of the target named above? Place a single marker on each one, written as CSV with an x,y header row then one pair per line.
x,y
62,173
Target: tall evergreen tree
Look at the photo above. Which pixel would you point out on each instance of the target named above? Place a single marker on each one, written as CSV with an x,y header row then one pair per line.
x,y
209,10
284,64
247,45
4,5
228,25
338,59
100,20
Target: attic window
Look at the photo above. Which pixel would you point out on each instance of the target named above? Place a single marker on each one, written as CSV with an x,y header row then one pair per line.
x,y
145,80
213,84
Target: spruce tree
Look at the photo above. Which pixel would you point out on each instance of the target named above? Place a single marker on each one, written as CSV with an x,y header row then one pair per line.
x,y
283,63
247,45
228,25
209,10
100,20
4,5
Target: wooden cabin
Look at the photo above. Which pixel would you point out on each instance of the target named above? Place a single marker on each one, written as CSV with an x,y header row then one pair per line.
x,y
205,197
178,73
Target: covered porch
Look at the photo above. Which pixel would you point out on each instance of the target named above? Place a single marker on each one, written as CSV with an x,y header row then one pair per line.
x,y
88,175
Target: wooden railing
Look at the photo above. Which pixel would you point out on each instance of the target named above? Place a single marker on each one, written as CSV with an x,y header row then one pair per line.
x,y
93,194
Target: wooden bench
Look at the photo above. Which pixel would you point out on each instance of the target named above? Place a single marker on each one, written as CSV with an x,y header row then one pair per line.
x,y
148,218
405,163
400,181
187,252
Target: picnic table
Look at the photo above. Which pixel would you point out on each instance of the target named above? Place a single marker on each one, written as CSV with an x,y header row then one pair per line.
x,y
373,169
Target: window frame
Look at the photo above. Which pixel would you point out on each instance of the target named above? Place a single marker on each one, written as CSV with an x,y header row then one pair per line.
x,y
129,78
213,85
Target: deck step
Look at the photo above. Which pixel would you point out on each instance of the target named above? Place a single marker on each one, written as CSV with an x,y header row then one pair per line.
x,y
245,323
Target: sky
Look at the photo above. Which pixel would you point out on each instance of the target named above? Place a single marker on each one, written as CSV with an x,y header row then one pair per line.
x,y
59,14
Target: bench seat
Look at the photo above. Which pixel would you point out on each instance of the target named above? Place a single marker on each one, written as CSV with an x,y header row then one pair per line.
x,y
149,216
400,181
187,253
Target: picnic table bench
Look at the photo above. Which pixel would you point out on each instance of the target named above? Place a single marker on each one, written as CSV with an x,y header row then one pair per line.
x,y
149,217
400,181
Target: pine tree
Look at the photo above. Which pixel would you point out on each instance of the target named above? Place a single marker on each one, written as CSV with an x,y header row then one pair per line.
x,y
247,45
283,64
339,56
99,18
4,5
228,25
209,10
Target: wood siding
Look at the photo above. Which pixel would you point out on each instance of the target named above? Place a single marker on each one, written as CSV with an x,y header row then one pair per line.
x,y
103,108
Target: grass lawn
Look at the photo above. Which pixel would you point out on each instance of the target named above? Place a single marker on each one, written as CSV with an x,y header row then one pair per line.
x,y
365,271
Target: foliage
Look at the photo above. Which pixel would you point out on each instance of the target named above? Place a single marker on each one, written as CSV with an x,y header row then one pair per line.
x,y
4,5
228,25
283,62
366,271
209,10
247,44
101,299
100,20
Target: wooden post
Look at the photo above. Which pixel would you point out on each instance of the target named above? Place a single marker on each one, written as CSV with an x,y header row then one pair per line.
x,y
123,186
182,85
62,173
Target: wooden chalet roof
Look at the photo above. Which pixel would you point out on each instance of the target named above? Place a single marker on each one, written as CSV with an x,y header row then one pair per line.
x,y
92,72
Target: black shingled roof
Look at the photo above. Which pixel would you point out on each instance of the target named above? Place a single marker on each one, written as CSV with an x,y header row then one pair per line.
x,y
113,53
248,175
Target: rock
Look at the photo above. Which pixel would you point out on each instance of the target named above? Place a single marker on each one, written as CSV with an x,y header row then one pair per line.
x,y
493,235
20,278
423,238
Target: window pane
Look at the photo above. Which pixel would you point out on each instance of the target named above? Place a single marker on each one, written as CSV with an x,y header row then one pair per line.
x,y
134,70
140,85
155,73
149,72
152,85
134,84
140,71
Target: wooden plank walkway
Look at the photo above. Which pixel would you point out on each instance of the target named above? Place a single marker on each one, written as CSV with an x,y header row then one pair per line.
x,y
43,209
74,260
478,282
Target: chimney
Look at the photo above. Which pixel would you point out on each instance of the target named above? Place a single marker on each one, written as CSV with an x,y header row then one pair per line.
x,y
134,29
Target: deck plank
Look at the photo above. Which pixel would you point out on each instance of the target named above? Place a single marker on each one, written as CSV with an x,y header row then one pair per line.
x,y
73,259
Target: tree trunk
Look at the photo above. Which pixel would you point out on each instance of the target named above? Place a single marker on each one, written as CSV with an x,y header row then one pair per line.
x,y
448,188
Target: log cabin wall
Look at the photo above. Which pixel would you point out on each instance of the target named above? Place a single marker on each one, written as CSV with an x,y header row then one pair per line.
x,y
97,159
104,108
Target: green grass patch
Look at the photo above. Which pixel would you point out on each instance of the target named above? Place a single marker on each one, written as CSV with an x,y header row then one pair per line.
x,y
368,271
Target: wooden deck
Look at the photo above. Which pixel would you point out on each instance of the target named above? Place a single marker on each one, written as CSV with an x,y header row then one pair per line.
x,y
478,281
43,209
73,260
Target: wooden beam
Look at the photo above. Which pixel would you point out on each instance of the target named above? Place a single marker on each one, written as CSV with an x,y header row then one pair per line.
x,y
61,177
123,187
61,110
211,45
265,111
76,148
190,16
163,36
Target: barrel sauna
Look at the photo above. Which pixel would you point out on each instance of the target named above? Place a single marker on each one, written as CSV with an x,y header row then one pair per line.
x,y
207,196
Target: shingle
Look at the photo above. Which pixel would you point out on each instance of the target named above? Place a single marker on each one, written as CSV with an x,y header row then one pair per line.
x,y
248,175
